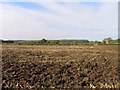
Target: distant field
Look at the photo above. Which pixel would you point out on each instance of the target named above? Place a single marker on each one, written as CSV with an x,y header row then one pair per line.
x,y
54,66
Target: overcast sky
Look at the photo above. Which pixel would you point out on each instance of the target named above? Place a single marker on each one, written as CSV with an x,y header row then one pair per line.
x,y
58,20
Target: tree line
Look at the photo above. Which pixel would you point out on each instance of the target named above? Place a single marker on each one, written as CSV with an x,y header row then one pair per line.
x,y
62,42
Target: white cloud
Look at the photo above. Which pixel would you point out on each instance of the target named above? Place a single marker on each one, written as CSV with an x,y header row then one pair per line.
x,y
59,0
1,20
67,21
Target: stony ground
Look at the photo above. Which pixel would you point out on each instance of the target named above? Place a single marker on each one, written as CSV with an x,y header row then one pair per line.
x,y
34,66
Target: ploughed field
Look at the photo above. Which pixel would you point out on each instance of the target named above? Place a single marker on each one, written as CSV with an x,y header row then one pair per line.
x,y
52,66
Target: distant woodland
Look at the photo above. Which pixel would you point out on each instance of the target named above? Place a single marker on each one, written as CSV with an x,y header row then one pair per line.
x,y
61,42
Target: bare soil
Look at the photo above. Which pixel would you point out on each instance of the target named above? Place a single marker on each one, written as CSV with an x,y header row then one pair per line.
x,y
52,66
